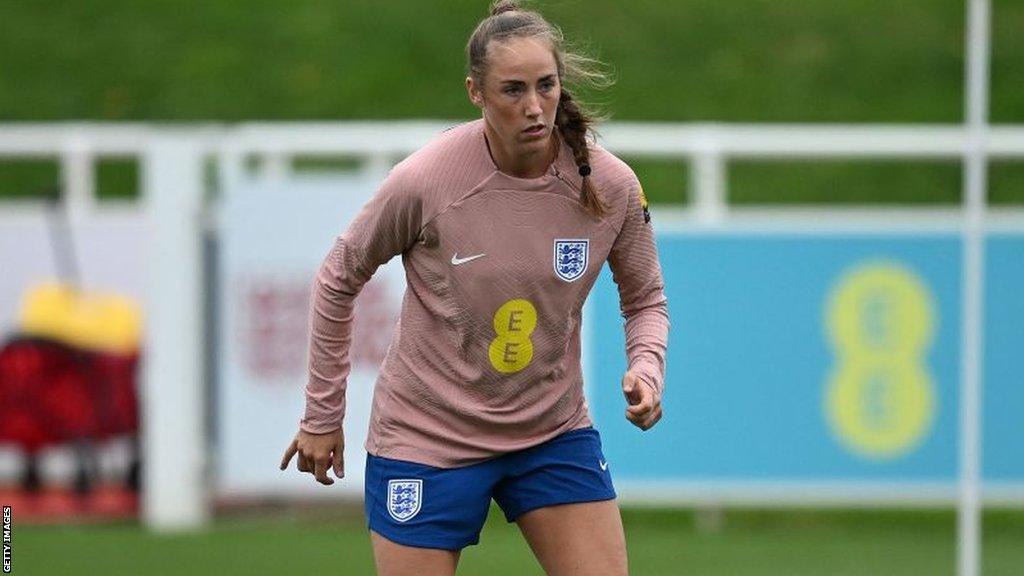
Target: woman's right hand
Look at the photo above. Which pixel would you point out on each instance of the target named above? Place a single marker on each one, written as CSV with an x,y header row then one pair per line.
x,y
317,452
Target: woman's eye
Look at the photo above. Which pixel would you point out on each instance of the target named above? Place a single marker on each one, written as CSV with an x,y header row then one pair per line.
x,y
547,86
512,90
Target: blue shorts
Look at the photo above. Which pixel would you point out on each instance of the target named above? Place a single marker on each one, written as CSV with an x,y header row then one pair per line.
x,y
418,505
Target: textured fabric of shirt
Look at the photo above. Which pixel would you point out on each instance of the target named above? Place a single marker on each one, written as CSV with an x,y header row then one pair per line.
x,y
485,358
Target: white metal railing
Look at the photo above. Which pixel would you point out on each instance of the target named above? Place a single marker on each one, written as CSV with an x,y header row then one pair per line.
x,y
171,159
708,148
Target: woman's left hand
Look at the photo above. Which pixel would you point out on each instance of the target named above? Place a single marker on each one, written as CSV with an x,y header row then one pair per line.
x,y
644,408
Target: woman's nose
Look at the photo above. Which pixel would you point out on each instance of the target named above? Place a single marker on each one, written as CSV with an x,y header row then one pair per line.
x,y
533,104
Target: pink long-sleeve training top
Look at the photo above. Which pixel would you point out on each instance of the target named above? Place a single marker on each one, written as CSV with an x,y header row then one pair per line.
x,y
485,358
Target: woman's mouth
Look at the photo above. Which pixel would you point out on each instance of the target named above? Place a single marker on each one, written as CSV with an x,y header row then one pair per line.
x,y
535,130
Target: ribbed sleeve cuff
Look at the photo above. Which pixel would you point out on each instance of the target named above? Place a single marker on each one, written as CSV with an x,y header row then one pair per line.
x,y
318,427
649,373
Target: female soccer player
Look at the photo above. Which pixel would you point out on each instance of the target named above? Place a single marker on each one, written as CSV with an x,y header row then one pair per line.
x,y
503,225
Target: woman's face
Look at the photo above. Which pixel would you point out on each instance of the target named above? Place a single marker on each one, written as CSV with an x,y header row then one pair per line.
x,y
520,93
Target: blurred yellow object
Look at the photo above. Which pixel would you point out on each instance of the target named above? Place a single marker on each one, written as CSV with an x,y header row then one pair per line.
x,y
102,322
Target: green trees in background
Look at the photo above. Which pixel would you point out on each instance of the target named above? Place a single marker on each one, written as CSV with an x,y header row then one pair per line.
x,y
700,60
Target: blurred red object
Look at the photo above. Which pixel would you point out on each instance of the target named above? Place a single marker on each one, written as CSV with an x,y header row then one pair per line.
x,y
51,393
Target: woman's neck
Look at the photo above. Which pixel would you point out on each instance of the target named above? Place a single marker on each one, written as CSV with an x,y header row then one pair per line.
x,y
529,165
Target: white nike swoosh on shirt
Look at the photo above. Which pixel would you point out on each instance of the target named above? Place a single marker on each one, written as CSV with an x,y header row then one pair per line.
x,y
456,260
604,465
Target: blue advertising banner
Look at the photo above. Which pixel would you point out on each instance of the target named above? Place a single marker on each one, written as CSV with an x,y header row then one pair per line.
x,y
816,358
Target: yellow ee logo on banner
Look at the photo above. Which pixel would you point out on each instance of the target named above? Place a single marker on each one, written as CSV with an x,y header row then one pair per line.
x,y
880,401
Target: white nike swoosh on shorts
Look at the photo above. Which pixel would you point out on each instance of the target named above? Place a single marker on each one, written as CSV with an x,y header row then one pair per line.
x,y
456,260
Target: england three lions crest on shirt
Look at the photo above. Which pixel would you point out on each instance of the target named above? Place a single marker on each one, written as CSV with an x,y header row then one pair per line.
x,y
571,258
405,498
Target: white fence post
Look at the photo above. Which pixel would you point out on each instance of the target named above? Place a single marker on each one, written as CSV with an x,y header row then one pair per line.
x,y
969,516
708,185
173,435
376,166
275,167
78,175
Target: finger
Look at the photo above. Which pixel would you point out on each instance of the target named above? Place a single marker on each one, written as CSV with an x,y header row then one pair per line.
x,y
636,420
630,388
643,408
651,420
638,390
627,382
645,403
320,471
339,463
644,421
292,449
303,463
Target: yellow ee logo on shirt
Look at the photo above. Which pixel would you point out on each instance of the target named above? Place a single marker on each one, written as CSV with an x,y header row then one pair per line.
x,y
643,205
512,350
880,401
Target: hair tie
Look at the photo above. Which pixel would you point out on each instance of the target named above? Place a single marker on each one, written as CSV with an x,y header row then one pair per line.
x,y
584,170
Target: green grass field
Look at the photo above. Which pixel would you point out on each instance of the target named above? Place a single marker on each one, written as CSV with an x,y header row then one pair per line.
x,y
702,60
661,542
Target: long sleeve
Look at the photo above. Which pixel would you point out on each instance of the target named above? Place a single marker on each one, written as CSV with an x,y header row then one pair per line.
x,y
486,359
634,264
387,225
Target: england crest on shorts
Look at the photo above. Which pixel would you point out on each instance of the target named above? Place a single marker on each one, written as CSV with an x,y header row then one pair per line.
x,y
571,258
404,498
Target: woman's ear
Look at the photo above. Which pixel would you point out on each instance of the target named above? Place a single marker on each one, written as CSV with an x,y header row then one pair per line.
x,y
475,94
